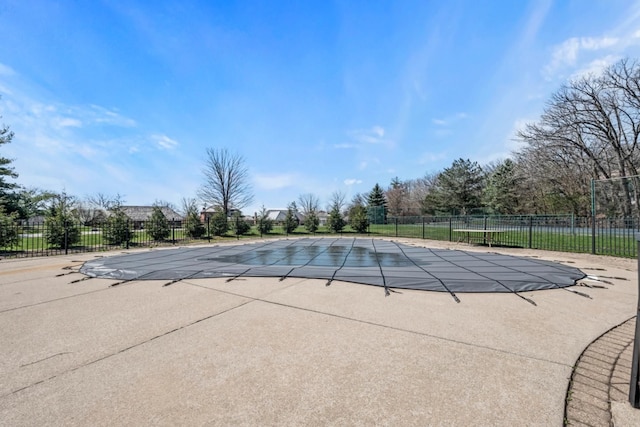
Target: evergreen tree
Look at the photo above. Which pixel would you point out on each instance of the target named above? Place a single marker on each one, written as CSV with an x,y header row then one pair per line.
x,y
291,221
358,219
193,226
501,192
6,171
9,232
158,225
118,227
219,224
458,189
312,222
264,223
377,205
240,226
61,226
335,222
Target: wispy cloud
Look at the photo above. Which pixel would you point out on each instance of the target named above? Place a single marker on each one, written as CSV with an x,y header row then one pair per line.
x,y
5,70
80,148
352,181
164,142
64,122
344,146
101,115
567,53
274,181
595,67
373,135
449,120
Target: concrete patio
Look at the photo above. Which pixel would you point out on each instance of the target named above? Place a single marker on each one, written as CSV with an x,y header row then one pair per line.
x,y
258,351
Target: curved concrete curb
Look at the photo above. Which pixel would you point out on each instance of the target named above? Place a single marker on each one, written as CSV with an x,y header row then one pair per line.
x,y
601,376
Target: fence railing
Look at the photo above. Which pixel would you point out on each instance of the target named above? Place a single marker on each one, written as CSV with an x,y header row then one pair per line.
x,y
605,236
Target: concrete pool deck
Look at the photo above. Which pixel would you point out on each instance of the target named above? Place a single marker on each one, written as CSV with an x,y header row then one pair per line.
x,y
261,351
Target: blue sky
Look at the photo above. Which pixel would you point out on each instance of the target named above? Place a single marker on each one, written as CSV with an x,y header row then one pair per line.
x,y
318,96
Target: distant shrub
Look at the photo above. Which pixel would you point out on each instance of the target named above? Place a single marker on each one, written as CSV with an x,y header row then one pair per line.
x,y
117,228
158,225
240,226
218,223
193,227
312,222
9,233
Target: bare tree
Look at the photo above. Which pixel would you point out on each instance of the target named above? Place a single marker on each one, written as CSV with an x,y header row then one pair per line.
x,y
591,126
337,201
165,204
226,183
397,197
308,203
93,209
358,199
189,206
104,201
418,189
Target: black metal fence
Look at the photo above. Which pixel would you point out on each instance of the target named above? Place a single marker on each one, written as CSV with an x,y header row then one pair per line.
x,y
605,236
567,233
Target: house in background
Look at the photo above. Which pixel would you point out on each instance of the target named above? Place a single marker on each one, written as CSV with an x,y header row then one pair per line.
x,y
141,214
323,217
207,212
278,215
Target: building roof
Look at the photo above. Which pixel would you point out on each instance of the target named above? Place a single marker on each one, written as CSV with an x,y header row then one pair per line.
x,y
281,214
143,213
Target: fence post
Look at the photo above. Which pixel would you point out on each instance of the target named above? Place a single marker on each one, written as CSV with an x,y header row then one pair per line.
x,y
66,236
593,216
530,231
396,218
208,231
593,234
634,385
484,240
422,228
451,229
128,234
173,230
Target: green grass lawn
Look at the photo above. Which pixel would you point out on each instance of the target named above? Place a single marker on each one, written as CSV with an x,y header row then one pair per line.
x,y
613,244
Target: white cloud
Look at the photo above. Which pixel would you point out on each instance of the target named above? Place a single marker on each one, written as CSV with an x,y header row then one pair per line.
x,y
449,120
164,142
352,181
568,53
374,135
105,116
378,130
595,67
63,122
5,70
344,146
274,181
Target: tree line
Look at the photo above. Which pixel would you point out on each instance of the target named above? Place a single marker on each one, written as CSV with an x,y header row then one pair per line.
x,y
583,150
587,138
